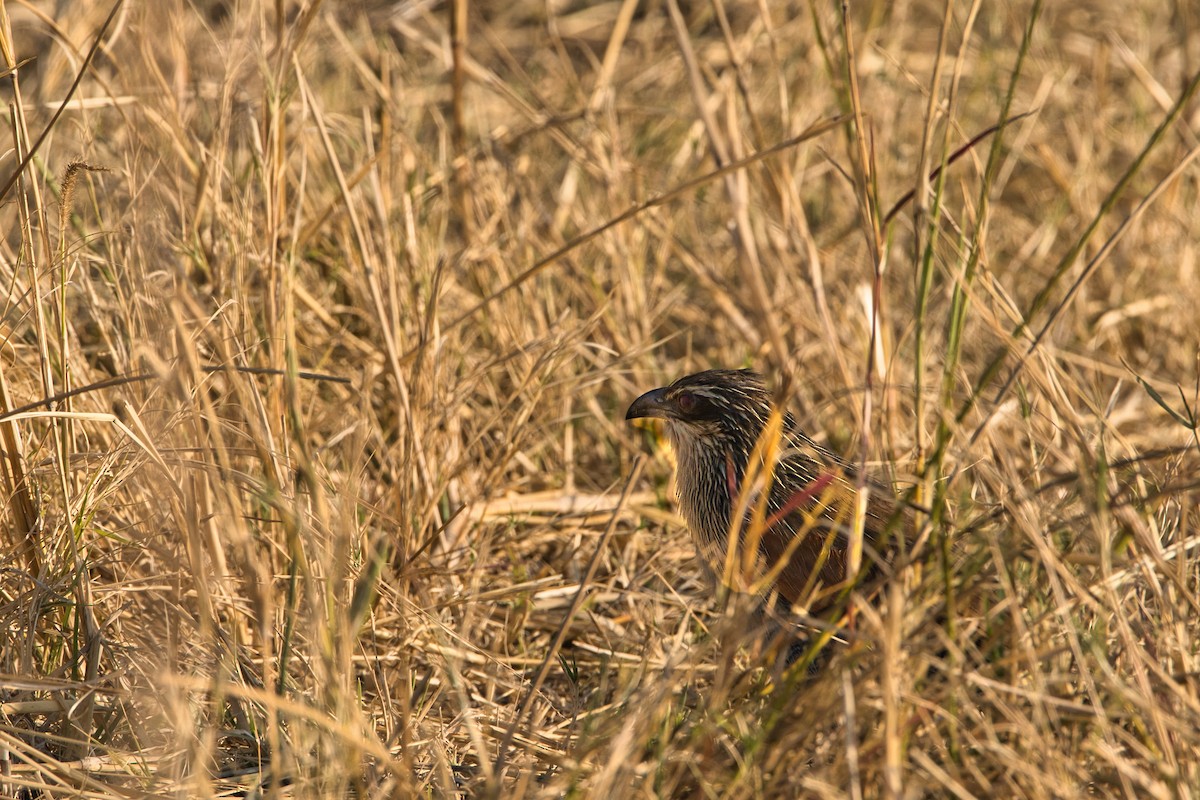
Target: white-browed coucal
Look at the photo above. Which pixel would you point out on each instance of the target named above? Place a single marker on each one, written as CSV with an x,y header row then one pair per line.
x,y
715,422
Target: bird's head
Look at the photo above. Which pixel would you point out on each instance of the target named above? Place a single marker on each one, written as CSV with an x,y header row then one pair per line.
x,y
718,406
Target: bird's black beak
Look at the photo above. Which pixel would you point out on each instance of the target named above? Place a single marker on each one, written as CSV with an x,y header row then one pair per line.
x,y
651,404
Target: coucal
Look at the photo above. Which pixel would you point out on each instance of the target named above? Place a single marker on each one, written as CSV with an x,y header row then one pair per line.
x,y
715,420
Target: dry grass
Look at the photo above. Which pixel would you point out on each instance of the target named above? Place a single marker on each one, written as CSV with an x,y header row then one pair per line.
x,y
425,580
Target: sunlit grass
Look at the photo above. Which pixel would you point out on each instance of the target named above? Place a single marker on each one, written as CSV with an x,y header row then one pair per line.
x,y
319,331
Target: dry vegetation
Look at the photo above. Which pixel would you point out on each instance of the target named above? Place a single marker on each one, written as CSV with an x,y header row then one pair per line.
x,y
319,326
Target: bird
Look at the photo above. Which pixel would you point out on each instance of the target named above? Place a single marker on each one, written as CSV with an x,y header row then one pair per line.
x,y
719,423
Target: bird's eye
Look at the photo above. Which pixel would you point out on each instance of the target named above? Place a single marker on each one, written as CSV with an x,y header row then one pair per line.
x,y
687,402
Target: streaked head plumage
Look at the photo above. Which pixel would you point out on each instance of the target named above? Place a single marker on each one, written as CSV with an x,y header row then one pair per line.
x,y
708,402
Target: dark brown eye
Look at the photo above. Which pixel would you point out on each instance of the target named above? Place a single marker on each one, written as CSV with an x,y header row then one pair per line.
x,y
687,402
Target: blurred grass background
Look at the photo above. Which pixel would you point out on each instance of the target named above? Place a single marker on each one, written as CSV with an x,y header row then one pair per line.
x,y
321,319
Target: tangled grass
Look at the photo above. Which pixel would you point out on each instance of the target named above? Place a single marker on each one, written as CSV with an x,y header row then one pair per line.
x,y
321,320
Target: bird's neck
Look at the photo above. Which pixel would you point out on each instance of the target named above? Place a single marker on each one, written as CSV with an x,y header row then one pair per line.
x,y
708,479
